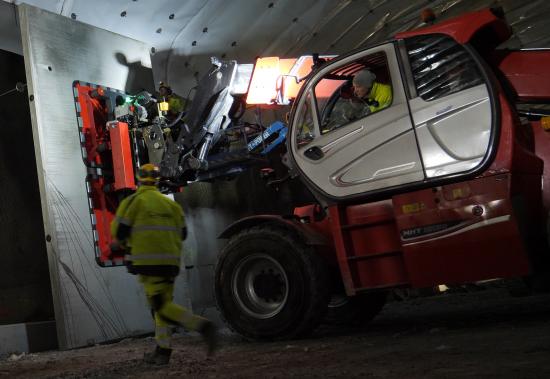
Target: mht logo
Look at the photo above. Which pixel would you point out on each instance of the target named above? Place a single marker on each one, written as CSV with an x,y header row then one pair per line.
x,y
427,229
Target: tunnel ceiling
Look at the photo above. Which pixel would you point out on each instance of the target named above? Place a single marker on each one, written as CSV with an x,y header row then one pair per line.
x,y
185,34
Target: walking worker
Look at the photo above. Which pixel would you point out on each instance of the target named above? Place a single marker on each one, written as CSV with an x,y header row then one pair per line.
x,y
149,229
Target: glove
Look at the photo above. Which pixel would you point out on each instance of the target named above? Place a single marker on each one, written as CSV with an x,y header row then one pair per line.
x,y
373,103
118,250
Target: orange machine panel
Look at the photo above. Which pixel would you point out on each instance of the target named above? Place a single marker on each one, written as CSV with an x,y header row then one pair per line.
x,y
123,169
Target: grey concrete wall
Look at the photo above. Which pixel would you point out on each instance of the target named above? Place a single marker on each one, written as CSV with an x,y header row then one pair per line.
x,y
91,304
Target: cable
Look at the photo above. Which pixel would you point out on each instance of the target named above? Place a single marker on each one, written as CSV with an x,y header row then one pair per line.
x,y
105,322
19,87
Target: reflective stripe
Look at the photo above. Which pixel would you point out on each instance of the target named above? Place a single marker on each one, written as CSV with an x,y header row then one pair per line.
x,y
142,228
125,221
150,257
162,336
491,221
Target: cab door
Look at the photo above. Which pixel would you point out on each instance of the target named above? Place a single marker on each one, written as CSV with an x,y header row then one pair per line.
x,y
346,157
450,105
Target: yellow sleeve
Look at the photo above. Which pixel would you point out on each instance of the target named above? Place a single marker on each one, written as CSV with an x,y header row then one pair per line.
x,y
124,215
175,104
387,96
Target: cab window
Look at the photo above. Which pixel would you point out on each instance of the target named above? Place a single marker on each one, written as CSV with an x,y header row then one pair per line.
x,y
305,132
353,91
441,66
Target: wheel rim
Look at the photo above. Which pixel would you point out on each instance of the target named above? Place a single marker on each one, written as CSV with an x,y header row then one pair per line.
x,y
260,286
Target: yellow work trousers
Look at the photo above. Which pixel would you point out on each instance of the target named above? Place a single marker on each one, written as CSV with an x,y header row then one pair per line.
x,y
159,292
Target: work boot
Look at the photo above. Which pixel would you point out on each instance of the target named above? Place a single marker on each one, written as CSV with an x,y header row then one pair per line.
x,y
159,356
210,335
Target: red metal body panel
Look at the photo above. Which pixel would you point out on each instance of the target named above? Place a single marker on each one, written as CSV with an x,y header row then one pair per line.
x,y
457,233
526,71
315,220
464,27
123,168
461,233
367,246
341,250
505,148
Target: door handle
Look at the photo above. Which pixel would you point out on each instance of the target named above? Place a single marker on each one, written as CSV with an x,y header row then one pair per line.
x,y
315,153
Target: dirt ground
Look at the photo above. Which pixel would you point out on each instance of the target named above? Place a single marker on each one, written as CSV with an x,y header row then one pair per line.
x,y
482,334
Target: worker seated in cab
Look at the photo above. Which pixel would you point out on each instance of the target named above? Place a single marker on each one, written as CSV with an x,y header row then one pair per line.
x,y
369,96
374,95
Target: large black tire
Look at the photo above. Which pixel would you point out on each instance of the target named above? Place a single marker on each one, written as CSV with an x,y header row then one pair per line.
x,y
270,285
355,310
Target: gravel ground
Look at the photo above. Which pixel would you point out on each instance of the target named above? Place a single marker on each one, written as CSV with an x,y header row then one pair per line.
x,y
481,334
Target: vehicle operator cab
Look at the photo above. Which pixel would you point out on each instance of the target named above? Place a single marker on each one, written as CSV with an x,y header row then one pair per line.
x,y
359,86
427,115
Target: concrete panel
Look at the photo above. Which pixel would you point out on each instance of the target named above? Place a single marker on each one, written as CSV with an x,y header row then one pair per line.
x,y
92,304
13,339
27,337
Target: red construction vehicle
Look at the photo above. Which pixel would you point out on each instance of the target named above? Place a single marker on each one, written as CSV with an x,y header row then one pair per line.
x,y
443,185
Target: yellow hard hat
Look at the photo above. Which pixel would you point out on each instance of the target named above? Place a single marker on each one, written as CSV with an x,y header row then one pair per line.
x,y
148,174
164,85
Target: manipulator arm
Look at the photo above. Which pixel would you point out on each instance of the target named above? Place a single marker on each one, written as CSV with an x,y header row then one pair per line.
x,y
203,124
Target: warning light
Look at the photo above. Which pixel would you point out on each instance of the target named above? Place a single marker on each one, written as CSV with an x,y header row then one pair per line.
x,y
545,123
164,106
263,86
278,81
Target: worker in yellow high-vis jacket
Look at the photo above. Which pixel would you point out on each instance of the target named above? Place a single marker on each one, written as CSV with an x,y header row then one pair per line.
x,y
176,103
150,227
375,95
369,96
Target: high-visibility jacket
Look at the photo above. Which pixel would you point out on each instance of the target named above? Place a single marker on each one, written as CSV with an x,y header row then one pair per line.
x,y
156,224
382,94
347,110
175,104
